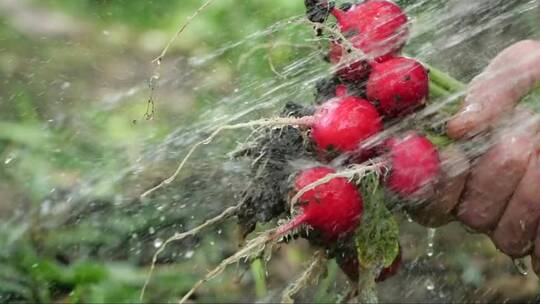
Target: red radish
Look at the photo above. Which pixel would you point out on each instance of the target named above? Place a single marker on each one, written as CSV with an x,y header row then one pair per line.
x,y
342,123
376,27
398,85
333,208
390,270
415,163
356,71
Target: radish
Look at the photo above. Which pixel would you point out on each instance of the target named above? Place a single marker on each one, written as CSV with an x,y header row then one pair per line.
x,y
391,270
376,27
333,208
415,163
356,71
342,123
398,86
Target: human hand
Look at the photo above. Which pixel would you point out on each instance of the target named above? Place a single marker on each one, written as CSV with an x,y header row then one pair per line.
x,y
499,192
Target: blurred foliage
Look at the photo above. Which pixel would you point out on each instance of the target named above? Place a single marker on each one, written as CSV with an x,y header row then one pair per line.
x,y
142,14
55,136
63,144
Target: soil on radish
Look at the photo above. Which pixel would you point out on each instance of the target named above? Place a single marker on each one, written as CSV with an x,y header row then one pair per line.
x,y
325,89
270,174
318,11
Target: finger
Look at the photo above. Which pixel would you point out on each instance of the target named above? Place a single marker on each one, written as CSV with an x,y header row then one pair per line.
x,y
515,232
437,210
509,77
496,174
535,256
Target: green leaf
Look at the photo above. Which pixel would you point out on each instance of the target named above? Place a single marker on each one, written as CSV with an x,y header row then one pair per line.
x,y
377,237
439,140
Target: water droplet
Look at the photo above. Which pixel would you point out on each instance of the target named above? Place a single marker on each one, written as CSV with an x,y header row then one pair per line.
x,y
520,266
160,207
430,241
408,217
189,254
429,284
158,243
8,160
151,230
35,265
219,231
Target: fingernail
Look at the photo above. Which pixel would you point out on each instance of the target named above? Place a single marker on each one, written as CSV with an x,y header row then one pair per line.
x,y
465,121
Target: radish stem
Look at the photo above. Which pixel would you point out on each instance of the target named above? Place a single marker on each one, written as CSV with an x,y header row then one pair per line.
x,y
436,91
444,80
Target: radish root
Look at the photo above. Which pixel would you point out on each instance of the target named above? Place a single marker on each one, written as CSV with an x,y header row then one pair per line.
x,y
310,276
180,236
153,83
277,121
253,248
354,172
181,29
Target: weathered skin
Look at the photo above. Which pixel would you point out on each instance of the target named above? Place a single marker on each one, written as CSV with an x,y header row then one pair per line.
x,y
493,93
516,230
501,192
495,176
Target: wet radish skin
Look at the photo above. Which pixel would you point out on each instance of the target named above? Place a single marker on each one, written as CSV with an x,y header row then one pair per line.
x,y
415,163
344,122
376,27
333,208
399,86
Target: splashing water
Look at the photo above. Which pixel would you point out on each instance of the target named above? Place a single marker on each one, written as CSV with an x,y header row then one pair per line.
x,y
430,242
250,76
521,266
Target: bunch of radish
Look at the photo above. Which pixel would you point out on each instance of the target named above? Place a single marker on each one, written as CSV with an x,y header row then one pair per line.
x,y
394,86
365,54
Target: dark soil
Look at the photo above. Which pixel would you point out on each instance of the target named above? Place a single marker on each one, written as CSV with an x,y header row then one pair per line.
x,y
271,152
